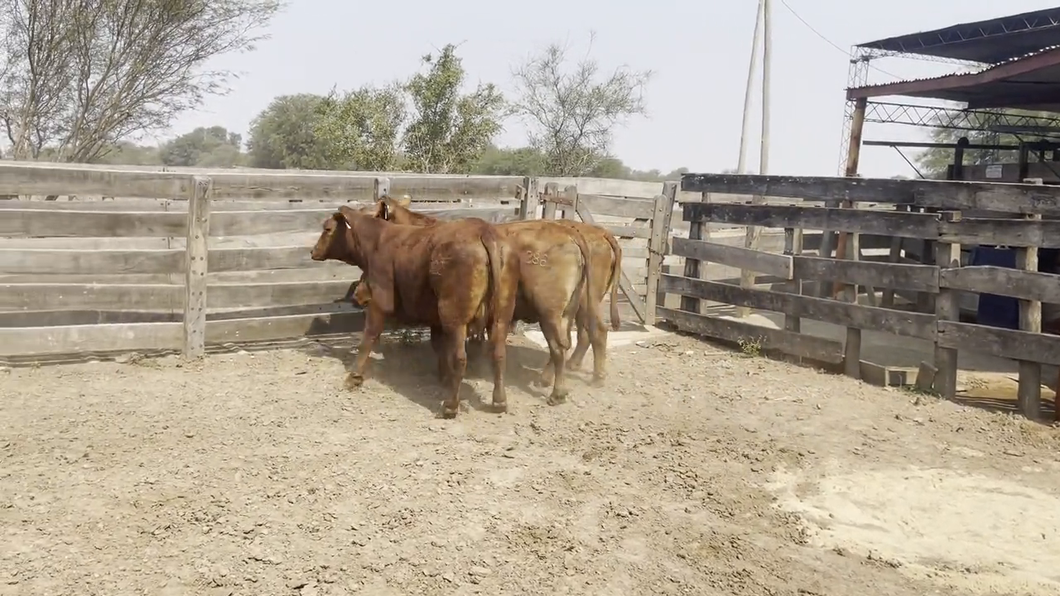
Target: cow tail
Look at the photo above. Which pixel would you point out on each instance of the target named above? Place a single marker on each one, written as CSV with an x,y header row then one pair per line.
x,y
491,242
613,282
587,278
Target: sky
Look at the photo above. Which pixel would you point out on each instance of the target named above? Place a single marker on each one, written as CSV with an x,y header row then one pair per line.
x,y
698,51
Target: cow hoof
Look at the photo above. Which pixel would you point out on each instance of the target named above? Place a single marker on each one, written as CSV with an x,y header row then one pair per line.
x,y
557,399
354,380
597,382
449,413
542,382
574,364
500,407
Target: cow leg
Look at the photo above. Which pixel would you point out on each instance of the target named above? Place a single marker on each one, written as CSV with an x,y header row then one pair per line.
x,y
456,354
438,344
548,373
598,337
373,327
499,340
557,348
582,347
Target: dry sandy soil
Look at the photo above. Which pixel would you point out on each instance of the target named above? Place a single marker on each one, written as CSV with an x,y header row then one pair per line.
x,y
694,471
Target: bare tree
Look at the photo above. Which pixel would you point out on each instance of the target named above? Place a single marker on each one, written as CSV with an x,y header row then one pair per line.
x,y
81,75
572,113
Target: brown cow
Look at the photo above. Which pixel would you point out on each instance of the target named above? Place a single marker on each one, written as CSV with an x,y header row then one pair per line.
x,y
544,284
449,277
606,270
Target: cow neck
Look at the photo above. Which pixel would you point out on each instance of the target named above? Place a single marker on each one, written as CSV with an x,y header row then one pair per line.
x,y
366,232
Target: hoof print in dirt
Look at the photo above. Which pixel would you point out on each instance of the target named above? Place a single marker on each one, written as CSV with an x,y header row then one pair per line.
x,y
555,400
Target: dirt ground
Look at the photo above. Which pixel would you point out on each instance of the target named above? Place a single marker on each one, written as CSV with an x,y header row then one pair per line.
x,y
696,470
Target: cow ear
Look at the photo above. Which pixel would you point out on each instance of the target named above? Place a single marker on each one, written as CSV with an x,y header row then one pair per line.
x,y
382,210
345,215
405,201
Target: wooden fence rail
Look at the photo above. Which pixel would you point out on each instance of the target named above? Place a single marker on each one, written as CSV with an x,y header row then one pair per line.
x,y
173,265
941,280
186,260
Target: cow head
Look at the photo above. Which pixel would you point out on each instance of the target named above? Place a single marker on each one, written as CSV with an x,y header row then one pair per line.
x,y
338,240
397,211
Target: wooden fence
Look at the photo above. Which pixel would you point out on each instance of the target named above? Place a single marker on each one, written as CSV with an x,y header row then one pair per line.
x,y
640,224
184,261
180,262
930,211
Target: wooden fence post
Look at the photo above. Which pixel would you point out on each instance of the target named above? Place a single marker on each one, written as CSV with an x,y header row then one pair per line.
x,y
793,247
380,188
530,199
196,256
697,230
852,347
570,206
1029,393
660,234
947,256
549,210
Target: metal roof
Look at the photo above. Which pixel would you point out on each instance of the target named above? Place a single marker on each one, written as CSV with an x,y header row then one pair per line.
x,y
991,41
1029,83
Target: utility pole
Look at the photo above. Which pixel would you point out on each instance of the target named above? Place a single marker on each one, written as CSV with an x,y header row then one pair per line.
x,y
741,166
767,55
763,30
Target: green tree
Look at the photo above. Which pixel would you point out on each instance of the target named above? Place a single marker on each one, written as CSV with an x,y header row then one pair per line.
x,y
284,134
80,76
204,147
519,161
572,113
361,129
933,162
128,153
449,131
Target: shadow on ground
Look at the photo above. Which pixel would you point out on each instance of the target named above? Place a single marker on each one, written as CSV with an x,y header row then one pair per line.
x,y
405,362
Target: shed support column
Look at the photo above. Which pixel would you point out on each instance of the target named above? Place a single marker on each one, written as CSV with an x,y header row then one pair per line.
x,y
828,241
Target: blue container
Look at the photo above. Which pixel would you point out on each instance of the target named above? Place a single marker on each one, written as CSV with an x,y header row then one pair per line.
x,y
993,310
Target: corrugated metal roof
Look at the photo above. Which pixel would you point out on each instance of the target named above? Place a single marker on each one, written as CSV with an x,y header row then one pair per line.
x,y
990,41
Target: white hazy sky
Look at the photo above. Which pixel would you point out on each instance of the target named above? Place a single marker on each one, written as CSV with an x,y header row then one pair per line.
x,y
699,52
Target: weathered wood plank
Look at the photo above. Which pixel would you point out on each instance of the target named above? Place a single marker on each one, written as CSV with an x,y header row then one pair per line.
x,y
1010,232
105,224
922,278
282,327
617,206
195,260
166,298
627,231
174,205
326,271
794,344
169,298
360,187
734,256
50,340
839,313
67,179
887,223
49,179
1002,281
29,341
109,262
71,262
1003,343
941,194
947,309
